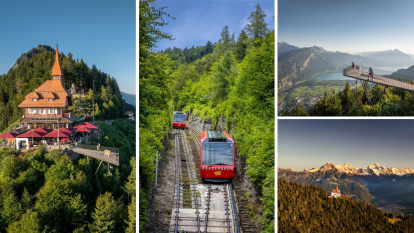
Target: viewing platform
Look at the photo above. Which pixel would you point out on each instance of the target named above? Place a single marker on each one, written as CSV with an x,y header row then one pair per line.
x,y
111,158
383,79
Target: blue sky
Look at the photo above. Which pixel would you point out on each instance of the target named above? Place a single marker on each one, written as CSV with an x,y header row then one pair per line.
x,y
348,26
101,32
312,143
199,21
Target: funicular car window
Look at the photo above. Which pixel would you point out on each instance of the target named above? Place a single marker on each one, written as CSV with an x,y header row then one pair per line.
x,y
179,118
217,153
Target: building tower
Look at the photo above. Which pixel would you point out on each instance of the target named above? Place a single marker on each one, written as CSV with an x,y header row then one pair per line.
x,y
56,70
336,192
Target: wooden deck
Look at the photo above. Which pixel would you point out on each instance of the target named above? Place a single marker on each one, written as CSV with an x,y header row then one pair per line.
x,y
97,155
361,75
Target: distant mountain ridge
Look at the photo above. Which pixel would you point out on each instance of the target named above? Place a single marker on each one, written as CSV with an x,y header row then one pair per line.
x,y
129,98
284,48
373,169
305,63
389,57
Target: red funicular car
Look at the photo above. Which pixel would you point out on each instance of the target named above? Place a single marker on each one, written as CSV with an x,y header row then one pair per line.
x,y
178,120
216,157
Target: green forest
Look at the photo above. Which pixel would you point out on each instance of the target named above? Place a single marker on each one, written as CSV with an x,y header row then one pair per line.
x,y
33,68
386,101
48,192
304,208
231,79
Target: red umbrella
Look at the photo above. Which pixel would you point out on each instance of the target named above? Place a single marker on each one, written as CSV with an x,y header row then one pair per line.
x,y
31,134
9,135
80,125
65,130
86,124
41,130
55,134
83,129
64,139
91,126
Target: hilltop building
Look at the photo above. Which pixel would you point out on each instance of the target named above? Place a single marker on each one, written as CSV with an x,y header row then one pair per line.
x,y
47,106
336,192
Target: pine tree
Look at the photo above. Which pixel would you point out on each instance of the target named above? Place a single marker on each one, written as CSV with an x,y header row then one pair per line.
x,y
241,46
29,222
224,77
131,217
78,211
104,214
257,26
12,209
209,48
26,202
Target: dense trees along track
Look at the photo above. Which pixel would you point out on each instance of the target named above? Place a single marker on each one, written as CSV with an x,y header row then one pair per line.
x,y
199,207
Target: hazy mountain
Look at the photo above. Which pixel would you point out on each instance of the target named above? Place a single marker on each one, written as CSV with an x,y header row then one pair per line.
x,y
408,71
328,181
129,98
389,57
284,48
373,169
305,63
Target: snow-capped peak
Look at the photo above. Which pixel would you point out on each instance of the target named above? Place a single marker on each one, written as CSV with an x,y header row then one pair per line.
x,y
373,169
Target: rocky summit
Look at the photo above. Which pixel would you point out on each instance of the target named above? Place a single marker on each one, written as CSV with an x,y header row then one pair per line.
x,y
373,169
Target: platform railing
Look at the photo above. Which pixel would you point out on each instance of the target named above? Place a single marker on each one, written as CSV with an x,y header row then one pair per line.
x,y
383,77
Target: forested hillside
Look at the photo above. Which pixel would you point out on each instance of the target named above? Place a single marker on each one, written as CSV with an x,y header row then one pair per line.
x,y
348,102
233,81
48,192
34,67
304,208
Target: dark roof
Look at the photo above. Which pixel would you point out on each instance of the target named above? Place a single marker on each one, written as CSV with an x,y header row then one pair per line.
x,y
45,120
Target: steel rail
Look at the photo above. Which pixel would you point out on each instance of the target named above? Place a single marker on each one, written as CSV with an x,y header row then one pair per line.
x,y
226,204
178,182
208,207
192,178
236,227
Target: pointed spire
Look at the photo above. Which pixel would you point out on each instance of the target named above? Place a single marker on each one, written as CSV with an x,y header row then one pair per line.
x,y
56,71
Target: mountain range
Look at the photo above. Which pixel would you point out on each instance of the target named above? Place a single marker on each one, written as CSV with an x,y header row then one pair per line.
x,y
373,169
389,57
284,48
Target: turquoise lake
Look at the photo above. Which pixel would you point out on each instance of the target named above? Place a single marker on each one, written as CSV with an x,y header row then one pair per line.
x,y
332,76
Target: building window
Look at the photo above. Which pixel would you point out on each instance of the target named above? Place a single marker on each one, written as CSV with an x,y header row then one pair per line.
x,y
29,110
34,99
50,99
50,110
34,110
42,111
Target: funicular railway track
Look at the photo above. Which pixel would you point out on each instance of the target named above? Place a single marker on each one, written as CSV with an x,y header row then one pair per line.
x,y
242,220
212,207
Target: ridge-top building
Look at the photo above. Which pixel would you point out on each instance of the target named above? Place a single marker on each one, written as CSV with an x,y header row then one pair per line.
x,y
336,192
47,106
